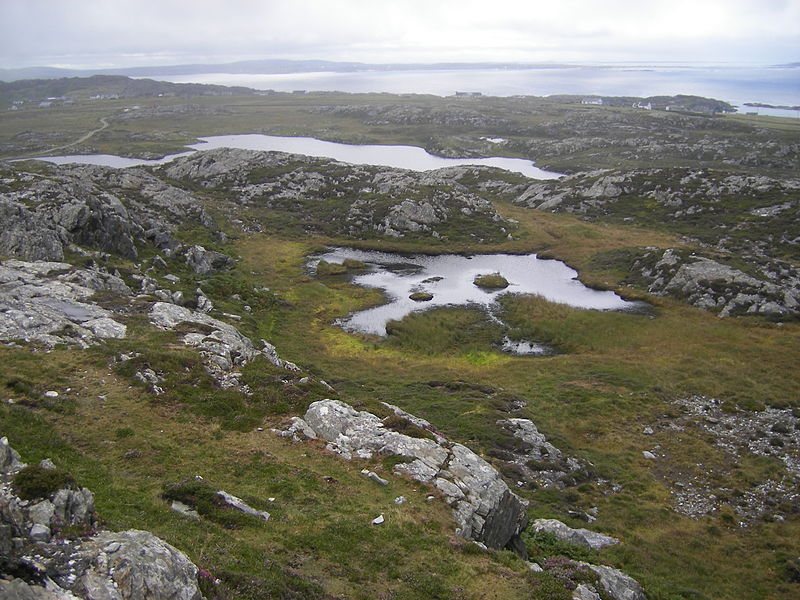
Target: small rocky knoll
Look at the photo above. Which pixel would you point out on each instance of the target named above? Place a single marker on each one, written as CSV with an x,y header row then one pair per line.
x,y
710,285
72,206
484,508
50,548
533,461
771,436
322,196
750,220
223,348
50,303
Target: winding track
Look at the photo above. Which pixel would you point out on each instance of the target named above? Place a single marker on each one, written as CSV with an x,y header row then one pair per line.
x,y
81,139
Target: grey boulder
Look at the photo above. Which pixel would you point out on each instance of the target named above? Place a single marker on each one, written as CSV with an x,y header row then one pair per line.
x,y
578,537
484,508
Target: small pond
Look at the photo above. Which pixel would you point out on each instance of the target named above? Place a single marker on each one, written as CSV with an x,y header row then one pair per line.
x,y
449,280
401,157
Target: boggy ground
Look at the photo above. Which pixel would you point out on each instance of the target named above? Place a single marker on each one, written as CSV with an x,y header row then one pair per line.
x,y
619,385
617,374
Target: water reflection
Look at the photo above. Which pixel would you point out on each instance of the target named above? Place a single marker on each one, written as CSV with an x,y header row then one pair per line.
x,y
399,157
449,279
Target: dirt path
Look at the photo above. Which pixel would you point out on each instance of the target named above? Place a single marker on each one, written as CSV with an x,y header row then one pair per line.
x,y
81,139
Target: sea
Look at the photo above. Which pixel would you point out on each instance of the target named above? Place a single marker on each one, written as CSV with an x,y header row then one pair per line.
x,y
738,85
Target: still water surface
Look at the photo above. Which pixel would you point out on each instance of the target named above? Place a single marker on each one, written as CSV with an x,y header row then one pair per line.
x,y
449,278
400,157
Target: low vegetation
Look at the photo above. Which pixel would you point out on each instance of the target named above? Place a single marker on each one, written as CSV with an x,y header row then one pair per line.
x,y
492,281
608,394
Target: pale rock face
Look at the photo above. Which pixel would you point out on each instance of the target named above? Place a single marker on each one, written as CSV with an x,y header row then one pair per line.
x,y
205,262
484,508
9,459
579,537
40,301
617,584
130,565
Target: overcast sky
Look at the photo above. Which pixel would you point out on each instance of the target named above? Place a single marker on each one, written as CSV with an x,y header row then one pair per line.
x,y
117,33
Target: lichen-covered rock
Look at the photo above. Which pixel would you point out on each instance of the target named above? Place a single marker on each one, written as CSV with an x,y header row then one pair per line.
x,y
9,459
617,584
50,302
711,285
221,345
130,565
484,508
27,235
579,537
206,262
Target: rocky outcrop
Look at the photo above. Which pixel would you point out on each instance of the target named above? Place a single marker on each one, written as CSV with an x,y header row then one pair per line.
x,y
484,508
129,565
50,303
223,348
535,461
337,198
580,537
27,235
103,209
708,284
206,262
617,584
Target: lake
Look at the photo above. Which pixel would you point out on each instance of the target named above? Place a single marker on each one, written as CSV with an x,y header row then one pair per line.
x,y
734,84
400,157
449,278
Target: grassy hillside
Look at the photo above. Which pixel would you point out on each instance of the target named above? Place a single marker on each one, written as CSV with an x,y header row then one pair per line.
x,y
614,377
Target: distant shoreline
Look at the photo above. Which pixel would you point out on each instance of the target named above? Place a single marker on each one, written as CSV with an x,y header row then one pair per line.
x,y
762,105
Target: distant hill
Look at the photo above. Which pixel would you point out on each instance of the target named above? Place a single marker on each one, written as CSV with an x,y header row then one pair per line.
x,y
108,85
266,66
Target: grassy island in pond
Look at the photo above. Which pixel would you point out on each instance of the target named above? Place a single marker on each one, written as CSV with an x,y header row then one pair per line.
x,y
421,297
494,281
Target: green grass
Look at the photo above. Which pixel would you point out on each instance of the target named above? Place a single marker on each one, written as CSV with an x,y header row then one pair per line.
x,y
614,375
493,281
34,482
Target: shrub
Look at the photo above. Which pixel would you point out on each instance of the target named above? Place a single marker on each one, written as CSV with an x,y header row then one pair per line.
x,y
406,427
35,482
542,545
201,496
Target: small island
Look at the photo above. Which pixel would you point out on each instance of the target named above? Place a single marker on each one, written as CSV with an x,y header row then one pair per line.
x,y
326,268
493,281
421,297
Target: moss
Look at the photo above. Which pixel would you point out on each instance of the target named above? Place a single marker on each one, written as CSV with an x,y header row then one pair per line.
x,y
421,297
324,268
493,281
35,482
